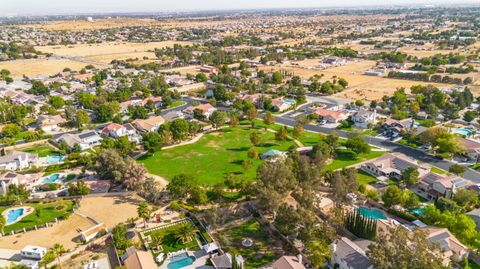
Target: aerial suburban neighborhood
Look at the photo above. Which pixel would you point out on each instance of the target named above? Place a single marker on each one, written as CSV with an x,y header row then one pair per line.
x,y
145,134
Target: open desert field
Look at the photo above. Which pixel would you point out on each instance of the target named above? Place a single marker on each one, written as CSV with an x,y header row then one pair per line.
x,y
41,67
104,49
84,25
113,209
360,86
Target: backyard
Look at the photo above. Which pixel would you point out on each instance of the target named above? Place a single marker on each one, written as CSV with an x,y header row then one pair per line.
x,y
43,150
264,250
44,212
170,243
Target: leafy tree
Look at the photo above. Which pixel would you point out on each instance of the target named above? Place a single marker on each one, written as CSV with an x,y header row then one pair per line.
x,y
38,88
3,222
457,169
57,102
81,118
152,141
404,250
181,185
201,77
298,130
144,211
11,130
318,252
252,114
410,176
180,129
253,153
78,188
58,250
186,233
332,140
255,138
268,118
356,143
392,196
361,226
281,134
156,240
218,118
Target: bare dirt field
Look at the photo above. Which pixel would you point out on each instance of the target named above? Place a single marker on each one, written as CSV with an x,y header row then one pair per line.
x,y
42,67
360,86
84,25
111,48
63,233
113,210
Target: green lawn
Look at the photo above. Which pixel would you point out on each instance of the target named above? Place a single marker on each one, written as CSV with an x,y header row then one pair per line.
x,y
48,213
176,103
262,251
346,158
42,150
170,243
214,156
364,178
439,171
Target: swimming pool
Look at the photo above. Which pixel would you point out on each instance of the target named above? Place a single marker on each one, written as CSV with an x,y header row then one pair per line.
x,y
418,211
288,101
462,131
13,215
51,179
180,261
55,158
371,213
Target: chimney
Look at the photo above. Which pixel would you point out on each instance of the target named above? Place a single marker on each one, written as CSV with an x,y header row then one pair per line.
x,y
299,258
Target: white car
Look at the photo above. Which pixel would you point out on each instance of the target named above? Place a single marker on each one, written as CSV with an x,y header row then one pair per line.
x,y
322,122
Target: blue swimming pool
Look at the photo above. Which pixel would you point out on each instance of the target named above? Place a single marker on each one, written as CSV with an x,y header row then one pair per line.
x,y
371,213
14,214
462,131
55,158
290,102
418,211
180,261
51,179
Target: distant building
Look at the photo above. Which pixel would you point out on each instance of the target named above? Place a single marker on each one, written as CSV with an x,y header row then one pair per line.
x,y
289,262
33,252
90,233
209,69
330,116
16,160
348,255
364,119
136,259
391,165
85,140
149,125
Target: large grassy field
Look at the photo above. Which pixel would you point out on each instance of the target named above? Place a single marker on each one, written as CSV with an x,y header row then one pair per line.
x,y
221,153
47,213
214,156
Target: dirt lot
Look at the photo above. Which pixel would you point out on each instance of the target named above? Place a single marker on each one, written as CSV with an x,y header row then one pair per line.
x,y
360,86
112,48
84,25
113,210
42,67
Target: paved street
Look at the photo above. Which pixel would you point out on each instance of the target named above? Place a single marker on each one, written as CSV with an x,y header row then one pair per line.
x,y
470,174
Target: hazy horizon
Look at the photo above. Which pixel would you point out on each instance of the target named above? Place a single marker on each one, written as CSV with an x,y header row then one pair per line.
x,y
55,7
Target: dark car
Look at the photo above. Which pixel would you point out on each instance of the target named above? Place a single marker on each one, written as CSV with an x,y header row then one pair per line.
x,y
438,157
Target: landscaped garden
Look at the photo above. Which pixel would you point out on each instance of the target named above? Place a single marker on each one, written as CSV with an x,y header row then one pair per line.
x,y
44,212
174,238
43,150
264,249
345,157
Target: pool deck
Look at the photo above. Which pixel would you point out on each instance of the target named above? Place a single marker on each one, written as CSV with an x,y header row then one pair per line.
x,y
201,257
27,210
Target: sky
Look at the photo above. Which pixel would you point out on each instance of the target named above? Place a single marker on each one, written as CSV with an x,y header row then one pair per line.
x,y
52,7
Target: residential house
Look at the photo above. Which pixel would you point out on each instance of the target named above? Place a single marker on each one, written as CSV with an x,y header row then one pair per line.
x,y
432,185
50,123
289,262
16,160
255,98
472,149
281,104
148,125
391,165
452,249
225,261
137,259
475,215
346,254
171,115
209,69
114,130
364,118
33,252
330,116
11,178
92,232
157,102
207,109
85,140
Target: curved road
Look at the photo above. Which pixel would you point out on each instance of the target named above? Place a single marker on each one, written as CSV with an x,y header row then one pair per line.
x,y
419,155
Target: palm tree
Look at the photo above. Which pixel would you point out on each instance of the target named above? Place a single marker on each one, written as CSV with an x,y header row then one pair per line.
x,y
3,222
48,258
186,233
156,241
144,212
57,251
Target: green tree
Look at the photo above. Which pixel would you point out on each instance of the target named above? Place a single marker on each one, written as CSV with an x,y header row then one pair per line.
x,y
252,114
181,185
78,188
152,142
253,153
268,118
180,129
457,169
298,130
410,176
255,138
81,118
281,134
3,222
186,233
57,102
392,196
277,77
58,250
144,212
217,119
356,143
